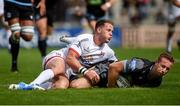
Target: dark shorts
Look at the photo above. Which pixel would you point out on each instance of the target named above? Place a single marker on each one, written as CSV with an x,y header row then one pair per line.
x,y
12,10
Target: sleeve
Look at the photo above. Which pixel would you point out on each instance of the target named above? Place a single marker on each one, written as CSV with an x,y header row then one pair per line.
x,y
112,56
76,45
134,64
76,48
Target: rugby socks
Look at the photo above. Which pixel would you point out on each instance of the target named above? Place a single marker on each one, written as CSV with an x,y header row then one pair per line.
x,y
42,46
169,44
44,76
14,52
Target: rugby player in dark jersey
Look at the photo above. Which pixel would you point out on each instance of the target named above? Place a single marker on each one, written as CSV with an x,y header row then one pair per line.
x,y
139,71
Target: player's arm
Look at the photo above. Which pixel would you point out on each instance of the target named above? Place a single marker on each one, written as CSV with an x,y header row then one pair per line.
x,y
108,4
176,2
72,61
114,70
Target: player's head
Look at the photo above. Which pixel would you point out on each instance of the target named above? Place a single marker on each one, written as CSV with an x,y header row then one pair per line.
x,y
163,64
104,29
102,22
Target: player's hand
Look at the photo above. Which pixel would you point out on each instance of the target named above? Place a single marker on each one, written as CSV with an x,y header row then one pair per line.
x,y
92,76
42,8
105,6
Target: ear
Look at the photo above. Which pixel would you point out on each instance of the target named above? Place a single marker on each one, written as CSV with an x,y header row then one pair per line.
x,y
99,30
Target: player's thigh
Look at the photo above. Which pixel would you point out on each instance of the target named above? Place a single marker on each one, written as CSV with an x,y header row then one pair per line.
x,y
41,26
57,64
80,83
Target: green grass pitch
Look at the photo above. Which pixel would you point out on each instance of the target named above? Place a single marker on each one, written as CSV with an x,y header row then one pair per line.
x,y
30,66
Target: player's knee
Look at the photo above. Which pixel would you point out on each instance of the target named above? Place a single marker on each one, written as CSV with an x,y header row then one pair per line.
x,y
74,84
79,84
15,28
27,32
27,37
61,84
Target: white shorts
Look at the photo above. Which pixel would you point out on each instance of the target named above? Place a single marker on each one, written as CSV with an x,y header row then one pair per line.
x,y
58,54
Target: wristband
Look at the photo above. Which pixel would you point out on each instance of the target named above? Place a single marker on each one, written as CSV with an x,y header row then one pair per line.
x,y
108,4
83,70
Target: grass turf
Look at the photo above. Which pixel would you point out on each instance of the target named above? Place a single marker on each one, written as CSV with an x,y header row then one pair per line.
x,y
29,65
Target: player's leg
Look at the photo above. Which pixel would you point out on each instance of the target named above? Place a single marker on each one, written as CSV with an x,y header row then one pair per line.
x,y
169,40
12,17
41,25
113,73
60,82
26,22
81,82
27,29
14,41
54,65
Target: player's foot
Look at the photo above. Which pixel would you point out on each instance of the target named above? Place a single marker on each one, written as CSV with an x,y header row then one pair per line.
x,y
14,67
65,39
24,86
20,86
37,87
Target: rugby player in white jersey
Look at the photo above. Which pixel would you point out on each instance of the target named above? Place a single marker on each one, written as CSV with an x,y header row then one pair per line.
x,y
77,58
174,15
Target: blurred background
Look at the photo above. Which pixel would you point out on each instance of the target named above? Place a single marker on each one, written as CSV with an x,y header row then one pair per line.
x,y
138,23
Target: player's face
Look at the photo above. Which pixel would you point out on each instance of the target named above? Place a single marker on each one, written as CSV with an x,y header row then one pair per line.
x,y
162,67
106,32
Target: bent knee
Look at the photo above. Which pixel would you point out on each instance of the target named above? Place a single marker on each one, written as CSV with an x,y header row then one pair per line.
x,y
61,84
27,32
79,84
27,37
73,84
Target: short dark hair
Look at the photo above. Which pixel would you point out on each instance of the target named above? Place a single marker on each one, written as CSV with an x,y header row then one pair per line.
x,y
102,22
167,56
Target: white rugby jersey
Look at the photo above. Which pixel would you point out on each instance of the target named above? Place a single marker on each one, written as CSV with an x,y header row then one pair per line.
x,y
89,52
